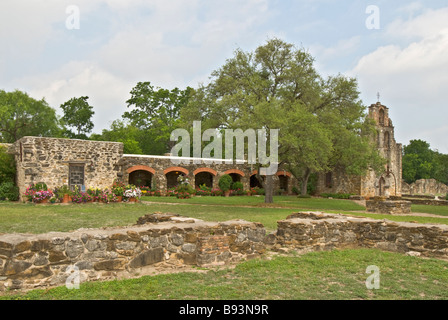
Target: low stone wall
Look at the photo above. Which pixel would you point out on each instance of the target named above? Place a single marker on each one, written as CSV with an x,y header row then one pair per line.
x,y
29,261
171,243
424,187
318,231
388,206
424,201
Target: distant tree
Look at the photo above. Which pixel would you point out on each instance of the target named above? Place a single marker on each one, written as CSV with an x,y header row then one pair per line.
x,y
7,166
418,161
156,112
21,115
78,115
441,167
421,162
121,132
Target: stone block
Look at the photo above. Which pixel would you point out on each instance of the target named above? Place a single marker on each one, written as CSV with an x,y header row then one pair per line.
x,y
147,257
110,265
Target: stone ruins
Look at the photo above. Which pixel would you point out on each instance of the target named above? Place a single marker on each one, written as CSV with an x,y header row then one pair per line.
x,y
169,243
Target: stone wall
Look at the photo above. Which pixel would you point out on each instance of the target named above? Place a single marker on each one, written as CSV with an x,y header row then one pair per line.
x,y
28,261
310,231
387,206
425,187
170,243
159,166
48,160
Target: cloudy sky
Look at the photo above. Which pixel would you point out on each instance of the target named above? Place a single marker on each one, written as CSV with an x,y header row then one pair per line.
x,y
400,49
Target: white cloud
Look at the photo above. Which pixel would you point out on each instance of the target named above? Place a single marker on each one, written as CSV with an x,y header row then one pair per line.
x,y
175,43
412,77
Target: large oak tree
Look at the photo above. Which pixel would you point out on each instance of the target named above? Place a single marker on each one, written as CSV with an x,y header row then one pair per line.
x,y
322,121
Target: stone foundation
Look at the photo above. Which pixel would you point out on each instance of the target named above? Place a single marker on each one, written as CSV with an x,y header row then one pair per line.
x,y
29,261
386,206
171,243
318,231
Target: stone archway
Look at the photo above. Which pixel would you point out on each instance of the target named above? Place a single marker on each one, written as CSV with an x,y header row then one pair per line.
x,y
172,174
204,176
141,178
254,182
236,174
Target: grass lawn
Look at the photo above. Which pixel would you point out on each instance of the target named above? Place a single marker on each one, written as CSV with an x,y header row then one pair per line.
x,y
335,275
30,218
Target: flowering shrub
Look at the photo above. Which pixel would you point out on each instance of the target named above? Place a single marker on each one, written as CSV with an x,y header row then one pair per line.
x,y
107,196
131,191
36,195
200,192
94,193
183,195
118,188
217,192
203,190
81,197
182,180
171,193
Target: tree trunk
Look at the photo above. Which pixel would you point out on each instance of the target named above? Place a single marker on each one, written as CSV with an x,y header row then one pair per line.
x,y
304,185
269,189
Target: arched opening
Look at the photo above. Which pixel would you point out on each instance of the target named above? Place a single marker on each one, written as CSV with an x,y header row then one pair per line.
x,y
141,178
171,179
329,179
254,182
283,182
236,177
203,178
386,140
382,187
381,117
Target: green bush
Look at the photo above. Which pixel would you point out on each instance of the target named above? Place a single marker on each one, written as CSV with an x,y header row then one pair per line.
x,y
336,195
237,186
295,190
225,182
7,166
41,186
8,191
185,188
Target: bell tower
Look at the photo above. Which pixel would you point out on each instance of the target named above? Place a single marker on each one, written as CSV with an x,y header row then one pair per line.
x,y
389,182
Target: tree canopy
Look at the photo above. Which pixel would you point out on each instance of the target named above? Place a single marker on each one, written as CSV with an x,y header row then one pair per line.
x,y
22,115
322,122
156,112
78,115
421,162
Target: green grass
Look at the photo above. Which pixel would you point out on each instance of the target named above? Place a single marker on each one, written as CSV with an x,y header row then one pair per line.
x,y
439,210
336,275
254,201
30,218
320,275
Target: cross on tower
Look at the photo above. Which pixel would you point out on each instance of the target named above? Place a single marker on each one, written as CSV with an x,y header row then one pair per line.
x,y
378,95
